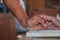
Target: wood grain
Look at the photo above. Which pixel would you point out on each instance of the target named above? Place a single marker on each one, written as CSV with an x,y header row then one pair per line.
x,y
7,28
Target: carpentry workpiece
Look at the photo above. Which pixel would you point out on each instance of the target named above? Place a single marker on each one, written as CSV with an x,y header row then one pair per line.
x,y
44,34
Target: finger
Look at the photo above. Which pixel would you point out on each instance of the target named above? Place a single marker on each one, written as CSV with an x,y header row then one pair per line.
x,y
44,24
56,22
42,21
35,20
52,19
46,18
37,27
55,28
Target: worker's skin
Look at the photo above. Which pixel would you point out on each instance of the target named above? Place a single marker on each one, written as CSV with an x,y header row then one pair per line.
x,y
21,15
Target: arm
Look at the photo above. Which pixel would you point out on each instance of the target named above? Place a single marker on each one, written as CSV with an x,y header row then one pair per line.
x,y
16,9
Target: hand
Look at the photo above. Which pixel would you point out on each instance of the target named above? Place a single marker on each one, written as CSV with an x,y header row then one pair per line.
x,y
36,23
54,23
36,27
43,22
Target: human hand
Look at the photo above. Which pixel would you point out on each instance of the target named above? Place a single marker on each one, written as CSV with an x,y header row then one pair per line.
x,y
36,23
51,22
43,22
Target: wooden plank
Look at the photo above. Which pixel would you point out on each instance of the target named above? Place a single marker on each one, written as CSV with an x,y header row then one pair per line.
x,y
7,28
43,33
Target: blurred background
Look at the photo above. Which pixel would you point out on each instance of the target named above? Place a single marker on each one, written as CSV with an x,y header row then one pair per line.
x,y
11,29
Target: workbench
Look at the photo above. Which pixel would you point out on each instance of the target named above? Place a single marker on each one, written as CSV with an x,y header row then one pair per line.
x,y
44,34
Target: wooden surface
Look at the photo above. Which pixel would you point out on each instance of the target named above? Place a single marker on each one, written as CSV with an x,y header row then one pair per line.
x,y
33,6
52,38
43,33
7,28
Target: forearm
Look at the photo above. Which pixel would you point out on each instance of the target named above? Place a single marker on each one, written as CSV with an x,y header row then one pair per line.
x,y
17,10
